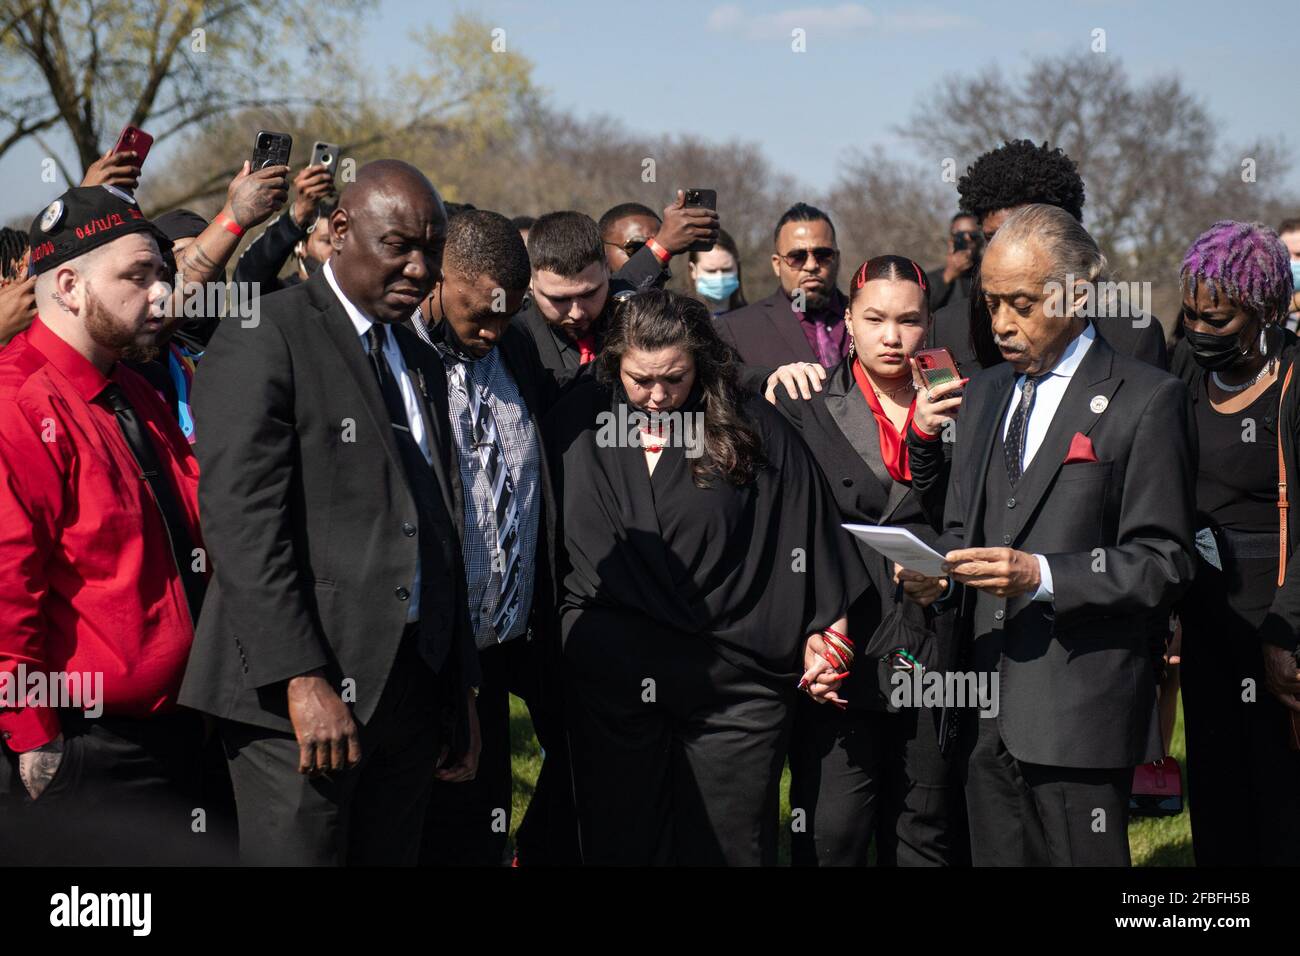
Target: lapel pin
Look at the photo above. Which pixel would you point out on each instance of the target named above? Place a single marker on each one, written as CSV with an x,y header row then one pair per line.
x,y
1099,403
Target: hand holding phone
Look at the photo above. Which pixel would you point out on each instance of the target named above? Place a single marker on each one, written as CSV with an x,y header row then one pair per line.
x,y
938,389
690,222
120,166
271,149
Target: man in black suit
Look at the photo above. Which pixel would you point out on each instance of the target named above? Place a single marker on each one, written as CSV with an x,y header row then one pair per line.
x,y
998,183
335,648
1069,529
803,320
574,289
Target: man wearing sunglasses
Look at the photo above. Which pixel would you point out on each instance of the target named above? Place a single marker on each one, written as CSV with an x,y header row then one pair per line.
x,y
639,245
803,320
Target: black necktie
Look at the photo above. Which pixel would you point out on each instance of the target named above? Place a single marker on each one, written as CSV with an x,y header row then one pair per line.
x,y
376,336
1015,443
428,501
137,438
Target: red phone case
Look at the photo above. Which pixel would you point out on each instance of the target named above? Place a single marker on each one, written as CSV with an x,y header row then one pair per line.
x,y
937,366
135,140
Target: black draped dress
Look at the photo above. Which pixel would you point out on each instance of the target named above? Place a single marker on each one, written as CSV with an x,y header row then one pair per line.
x,y
683,615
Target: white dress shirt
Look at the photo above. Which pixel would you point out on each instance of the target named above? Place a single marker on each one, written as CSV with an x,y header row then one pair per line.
x,y
410,401
1047,399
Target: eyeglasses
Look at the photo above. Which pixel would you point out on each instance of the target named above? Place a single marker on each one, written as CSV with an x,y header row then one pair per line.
x,y
797,257
631,247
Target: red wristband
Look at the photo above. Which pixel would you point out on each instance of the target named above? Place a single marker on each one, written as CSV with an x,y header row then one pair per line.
x,y
834,633
662,254
229,225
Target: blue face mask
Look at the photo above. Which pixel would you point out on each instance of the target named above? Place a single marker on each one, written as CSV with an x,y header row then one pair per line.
x,y
1295,274
717,287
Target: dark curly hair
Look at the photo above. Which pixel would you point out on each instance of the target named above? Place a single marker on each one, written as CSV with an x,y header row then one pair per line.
x,y
658,319
1018,173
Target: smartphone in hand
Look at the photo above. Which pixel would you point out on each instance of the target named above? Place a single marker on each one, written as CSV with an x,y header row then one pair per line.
x,y
271,149
135,140
937,366
694,198
325,154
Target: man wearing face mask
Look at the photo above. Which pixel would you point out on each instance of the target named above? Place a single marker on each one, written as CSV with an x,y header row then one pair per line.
x,y
1241,618
497,392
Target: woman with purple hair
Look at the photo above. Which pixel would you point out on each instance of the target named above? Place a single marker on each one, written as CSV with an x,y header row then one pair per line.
x,y
1240,621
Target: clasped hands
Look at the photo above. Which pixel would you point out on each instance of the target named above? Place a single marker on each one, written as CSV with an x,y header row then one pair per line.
x,y
1002,572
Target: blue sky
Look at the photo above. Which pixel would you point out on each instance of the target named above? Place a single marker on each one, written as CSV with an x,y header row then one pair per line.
x,y
725,69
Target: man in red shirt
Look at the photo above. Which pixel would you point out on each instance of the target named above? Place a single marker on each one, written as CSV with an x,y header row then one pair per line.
x,y
99,538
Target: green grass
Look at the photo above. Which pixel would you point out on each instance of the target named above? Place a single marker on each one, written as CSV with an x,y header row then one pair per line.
x,y
1153,841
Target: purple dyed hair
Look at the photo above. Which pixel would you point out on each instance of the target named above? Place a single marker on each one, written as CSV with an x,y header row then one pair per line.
x,y
1246,261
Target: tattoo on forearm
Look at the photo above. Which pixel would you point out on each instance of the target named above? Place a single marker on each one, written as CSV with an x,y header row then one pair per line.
x,y
195,257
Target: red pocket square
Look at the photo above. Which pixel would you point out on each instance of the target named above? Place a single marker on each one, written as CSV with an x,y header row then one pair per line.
x,y
1080,450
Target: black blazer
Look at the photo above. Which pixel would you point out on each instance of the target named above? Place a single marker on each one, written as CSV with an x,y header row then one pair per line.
x,y
1076,680
767,334
840,431
307,513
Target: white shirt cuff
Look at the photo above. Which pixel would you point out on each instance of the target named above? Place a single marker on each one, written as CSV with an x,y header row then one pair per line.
x,y
1044,592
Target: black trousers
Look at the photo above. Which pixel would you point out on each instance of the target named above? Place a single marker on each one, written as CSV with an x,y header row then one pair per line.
x,y
126,793
677,753
864,774
1243,780
1023,814
370,815
468,824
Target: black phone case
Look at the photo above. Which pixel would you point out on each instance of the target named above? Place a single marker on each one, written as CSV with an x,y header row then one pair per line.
x,y
276,154
708,200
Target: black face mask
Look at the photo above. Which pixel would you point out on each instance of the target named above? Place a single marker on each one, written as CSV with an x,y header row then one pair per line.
x,y
1214,352
311,265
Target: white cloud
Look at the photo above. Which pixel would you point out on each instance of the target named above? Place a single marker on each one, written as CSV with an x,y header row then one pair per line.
x,y
831,21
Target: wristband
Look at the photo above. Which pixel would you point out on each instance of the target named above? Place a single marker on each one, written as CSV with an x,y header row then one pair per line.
x,y
229,224
834,633
662,254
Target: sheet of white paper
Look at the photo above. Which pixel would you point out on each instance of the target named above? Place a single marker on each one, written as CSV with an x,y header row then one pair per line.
x,y
899,544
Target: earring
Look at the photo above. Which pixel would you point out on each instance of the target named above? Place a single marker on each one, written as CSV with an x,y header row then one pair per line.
x,y
1263,341
853,349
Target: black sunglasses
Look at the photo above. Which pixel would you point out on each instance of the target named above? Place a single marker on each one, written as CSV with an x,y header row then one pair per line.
x,y
796,258
631,247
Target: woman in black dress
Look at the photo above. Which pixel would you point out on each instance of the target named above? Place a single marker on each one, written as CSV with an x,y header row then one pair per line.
x,y
1240,620
868,773
702,560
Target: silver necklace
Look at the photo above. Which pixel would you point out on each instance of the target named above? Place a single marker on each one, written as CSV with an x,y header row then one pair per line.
x,y
1214,376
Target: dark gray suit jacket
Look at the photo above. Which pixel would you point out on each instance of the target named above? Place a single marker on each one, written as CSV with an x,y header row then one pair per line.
x,y
307,513
1076,679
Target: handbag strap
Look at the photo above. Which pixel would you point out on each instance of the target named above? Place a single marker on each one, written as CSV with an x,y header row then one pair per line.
x,y
1282,504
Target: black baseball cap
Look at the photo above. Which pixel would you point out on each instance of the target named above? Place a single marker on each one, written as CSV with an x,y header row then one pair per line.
x,y
85,218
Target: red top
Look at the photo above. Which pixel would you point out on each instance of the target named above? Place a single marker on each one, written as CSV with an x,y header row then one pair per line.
x,y
89,582
893,445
